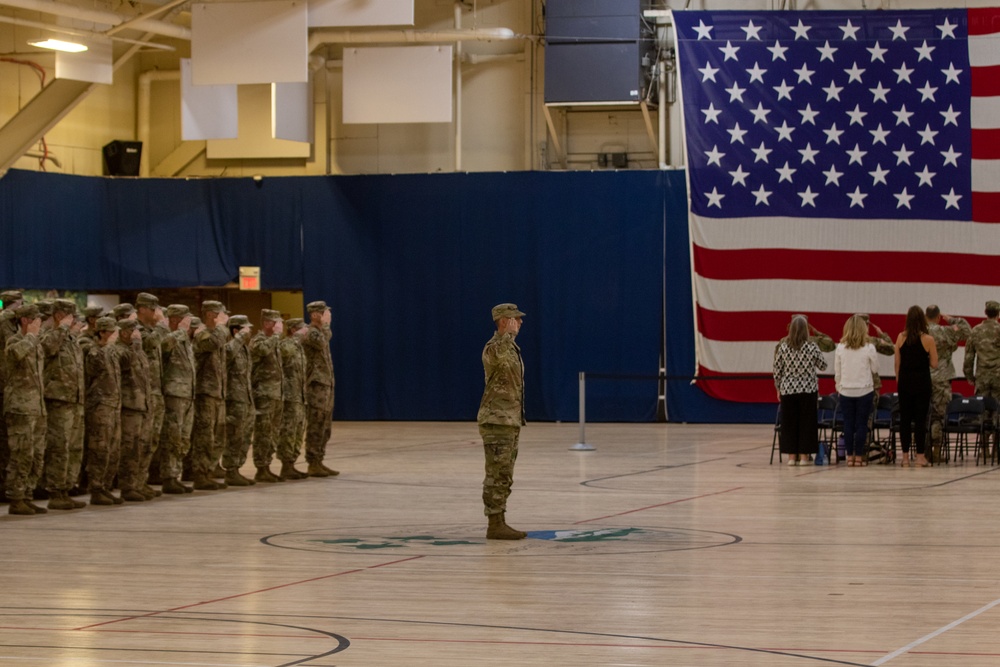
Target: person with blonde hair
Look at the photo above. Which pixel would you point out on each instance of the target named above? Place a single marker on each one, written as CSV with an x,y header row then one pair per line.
x,y
795,364
854,367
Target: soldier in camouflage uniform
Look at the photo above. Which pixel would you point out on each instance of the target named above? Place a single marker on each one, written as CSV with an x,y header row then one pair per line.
x,y
103,412
293,392
982,356
208,438
89,334
265,377
948,332
153,329
12,300
178,398
135,416
24,408
823,342
65,392
501,416
239,401
319,388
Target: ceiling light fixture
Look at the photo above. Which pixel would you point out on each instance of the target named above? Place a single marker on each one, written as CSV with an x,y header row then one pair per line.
x,y
59,45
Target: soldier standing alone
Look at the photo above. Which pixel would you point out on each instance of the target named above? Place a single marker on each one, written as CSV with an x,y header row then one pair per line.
x,y
319,388
501,416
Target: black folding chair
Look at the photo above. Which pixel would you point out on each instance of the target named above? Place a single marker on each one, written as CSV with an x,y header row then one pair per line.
x,y
829,424
885,426
963,418
775,442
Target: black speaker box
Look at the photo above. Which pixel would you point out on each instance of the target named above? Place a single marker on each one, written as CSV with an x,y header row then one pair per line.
x,y
121,158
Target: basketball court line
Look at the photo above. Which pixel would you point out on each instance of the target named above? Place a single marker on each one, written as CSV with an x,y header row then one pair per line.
x,y
940,631
672,502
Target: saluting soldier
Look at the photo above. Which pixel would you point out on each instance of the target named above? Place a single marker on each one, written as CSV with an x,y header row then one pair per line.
x,y
209,435
319,388
982,356
12,300
65,392
135,417
947,331
103,412
293,368
266,381
89,333
178,399
24,409
501,416
153,329
239,401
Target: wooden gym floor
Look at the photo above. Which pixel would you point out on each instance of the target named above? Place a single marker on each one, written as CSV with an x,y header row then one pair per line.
x,y
668,545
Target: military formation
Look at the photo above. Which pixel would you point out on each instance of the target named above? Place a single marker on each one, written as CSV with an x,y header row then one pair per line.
x,y
94,402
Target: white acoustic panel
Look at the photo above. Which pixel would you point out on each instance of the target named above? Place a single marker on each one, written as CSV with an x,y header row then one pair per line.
x,y
95,64
255,139
207,112
291,111
338,13
250,42
400,84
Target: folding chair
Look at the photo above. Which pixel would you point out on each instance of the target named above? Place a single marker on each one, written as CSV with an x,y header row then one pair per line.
x,y
963,418
829,423
885,426
991,430
775,444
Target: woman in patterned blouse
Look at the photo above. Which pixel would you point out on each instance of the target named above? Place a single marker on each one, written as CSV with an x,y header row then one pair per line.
x,y
795,364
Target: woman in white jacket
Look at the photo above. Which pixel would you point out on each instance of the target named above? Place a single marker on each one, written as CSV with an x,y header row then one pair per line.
x,y
854,363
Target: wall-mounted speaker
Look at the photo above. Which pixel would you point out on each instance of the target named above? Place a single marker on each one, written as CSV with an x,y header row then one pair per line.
x,y
121,158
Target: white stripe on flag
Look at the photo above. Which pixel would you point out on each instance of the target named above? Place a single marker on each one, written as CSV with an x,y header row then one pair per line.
x,y
984,50
984,113
986,176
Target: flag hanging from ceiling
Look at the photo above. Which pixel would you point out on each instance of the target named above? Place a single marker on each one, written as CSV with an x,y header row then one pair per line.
x,y
838,162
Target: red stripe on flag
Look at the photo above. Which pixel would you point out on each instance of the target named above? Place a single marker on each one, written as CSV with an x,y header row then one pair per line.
x,y
986,81
850,266
736,327
985,208
984,21
985,144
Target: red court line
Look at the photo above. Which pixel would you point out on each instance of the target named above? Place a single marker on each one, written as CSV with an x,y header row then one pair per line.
x,y
672,502
240,595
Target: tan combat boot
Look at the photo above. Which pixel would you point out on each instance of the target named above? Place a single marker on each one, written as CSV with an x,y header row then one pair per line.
x,y
317,470
265,475
171,485
498,530
21,508
60,500
288,471
503,519
206,483
234,478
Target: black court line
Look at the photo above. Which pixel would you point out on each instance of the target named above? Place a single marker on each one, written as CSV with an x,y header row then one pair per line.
x,y
650,470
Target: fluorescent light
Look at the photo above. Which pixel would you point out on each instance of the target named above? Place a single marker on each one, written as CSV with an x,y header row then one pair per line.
x,y
59,45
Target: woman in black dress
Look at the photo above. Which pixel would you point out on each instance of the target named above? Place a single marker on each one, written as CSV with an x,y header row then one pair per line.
x,y
916,355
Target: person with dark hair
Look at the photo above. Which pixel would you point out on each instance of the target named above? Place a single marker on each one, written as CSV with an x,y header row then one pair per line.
x,y
795,364
916,355
947,331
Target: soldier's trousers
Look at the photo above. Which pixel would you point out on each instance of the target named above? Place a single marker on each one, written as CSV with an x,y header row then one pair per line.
x,y
104,434
208,437
239,432
151,436
4,449
26,443
63,444
175,437
266,427
500,445
293,429
988,386
319,415
940,397
134,446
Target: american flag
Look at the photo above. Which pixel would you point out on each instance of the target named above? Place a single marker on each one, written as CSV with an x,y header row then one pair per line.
x,y
838,162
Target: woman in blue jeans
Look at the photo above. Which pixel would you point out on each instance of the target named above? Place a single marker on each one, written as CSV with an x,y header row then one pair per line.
x,y
854,364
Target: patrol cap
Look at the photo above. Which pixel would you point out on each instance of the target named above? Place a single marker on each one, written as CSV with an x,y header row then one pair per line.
x,y
93,311
44,307
992,305
127,325
195,323
177,310
239,321
212,307
146,299
506,310
67,306
105,324
294,323
29,310
269,315
11,295
122,310
317,307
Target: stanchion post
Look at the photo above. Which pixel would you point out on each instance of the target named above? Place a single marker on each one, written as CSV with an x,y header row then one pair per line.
x,y
582,446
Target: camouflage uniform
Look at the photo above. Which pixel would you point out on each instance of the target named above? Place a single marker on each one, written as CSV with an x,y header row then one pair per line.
x,y
136,419
320,384
982,360
947,339
65,391
293,391
152,345
208,439
103,413
24,409
239,402
265,377
8,327
501,413
178,399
